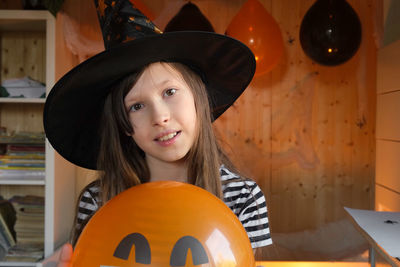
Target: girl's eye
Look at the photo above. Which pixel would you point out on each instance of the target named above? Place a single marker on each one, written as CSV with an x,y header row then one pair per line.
x,y
170,92
136,107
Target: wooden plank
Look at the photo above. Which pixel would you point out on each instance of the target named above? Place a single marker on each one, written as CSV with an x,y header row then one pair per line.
x,y
387,164
8,191
388,68
386,199
21,100
30,62
33,15
388,119
344,172
363,86
22,117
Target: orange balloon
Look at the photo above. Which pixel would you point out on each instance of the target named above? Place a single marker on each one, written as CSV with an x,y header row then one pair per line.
x,y
157,224
256,28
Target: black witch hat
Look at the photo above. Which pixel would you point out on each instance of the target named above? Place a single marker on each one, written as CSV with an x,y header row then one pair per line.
x,y
73,108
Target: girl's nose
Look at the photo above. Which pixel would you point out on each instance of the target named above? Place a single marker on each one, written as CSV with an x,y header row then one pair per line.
x,y
161,114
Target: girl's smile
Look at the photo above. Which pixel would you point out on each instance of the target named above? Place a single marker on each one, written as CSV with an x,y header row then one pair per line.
x,y
167,139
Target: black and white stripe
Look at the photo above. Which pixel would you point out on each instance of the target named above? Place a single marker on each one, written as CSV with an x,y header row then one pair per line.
x,y
243,196
87,204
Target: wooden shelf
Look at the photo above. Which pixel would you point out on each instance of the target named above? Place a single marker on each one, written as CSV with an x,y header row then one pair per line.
x,y
22,264
22,182
22,100
26,20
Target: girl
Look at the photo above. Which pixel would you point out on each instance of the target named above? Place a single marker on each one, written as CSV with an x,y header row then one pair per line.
x,y
142,111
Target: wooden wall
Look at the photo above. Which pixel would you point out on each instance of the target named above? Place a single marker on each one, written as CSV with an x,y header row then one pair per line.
x,y
388,129
308,140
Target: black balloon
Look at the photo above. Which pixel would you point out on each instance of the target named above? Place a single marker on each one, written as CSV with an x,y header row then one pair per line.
x,y
330,32
189,18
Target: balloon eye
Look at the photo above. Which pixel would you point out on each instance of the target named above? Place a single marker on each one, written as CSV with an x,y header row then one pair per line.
x,y
179,252
142,248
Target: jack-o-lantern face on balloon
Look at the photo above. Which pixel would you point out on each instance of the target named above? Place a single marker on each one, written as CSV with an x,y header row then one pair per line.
x,y
164,224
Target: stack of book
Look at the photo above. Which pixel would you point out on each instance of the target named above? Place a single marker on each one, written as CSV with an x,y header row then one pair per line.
x,y
29,228
22,156
22,159
7,222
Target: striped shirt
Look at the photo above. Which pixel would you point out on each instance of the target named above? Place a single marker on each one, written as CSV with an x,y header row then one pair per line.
x,y
243,196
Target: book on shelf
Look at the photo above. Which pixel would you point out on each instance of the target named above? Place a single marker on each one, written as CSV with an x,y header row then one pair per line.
x,y
21,137
25,253
21,161
29,228
37,147
22,156
22,175
27,201
7,239
8,213
7,232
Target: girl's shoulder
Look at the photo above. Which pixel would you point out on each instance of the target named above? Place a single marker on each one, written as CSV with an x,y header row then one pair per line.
x,y
227,174
90,193
92,187
238,188
232,179
246,199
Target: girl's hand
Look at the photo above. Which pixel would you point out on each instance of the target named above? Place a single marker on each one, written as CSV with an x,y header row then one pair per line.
x,y
65,259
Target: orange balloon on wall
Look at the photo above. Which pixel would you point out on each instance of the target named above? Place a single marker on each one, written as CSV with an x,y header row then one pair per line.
x,y
256,28
157,224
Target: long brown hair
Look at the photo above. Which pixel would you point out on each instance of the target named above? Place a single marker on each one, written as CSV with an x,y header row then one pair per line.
x,y
122,162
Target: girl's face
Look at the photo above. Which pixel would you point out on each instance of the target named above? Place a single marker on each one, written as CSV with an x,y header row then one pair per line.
x,y
162,113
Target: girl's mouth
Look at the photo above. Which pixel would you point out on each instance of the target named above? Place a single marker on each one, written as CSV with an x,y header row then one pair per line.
x,y
168,138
